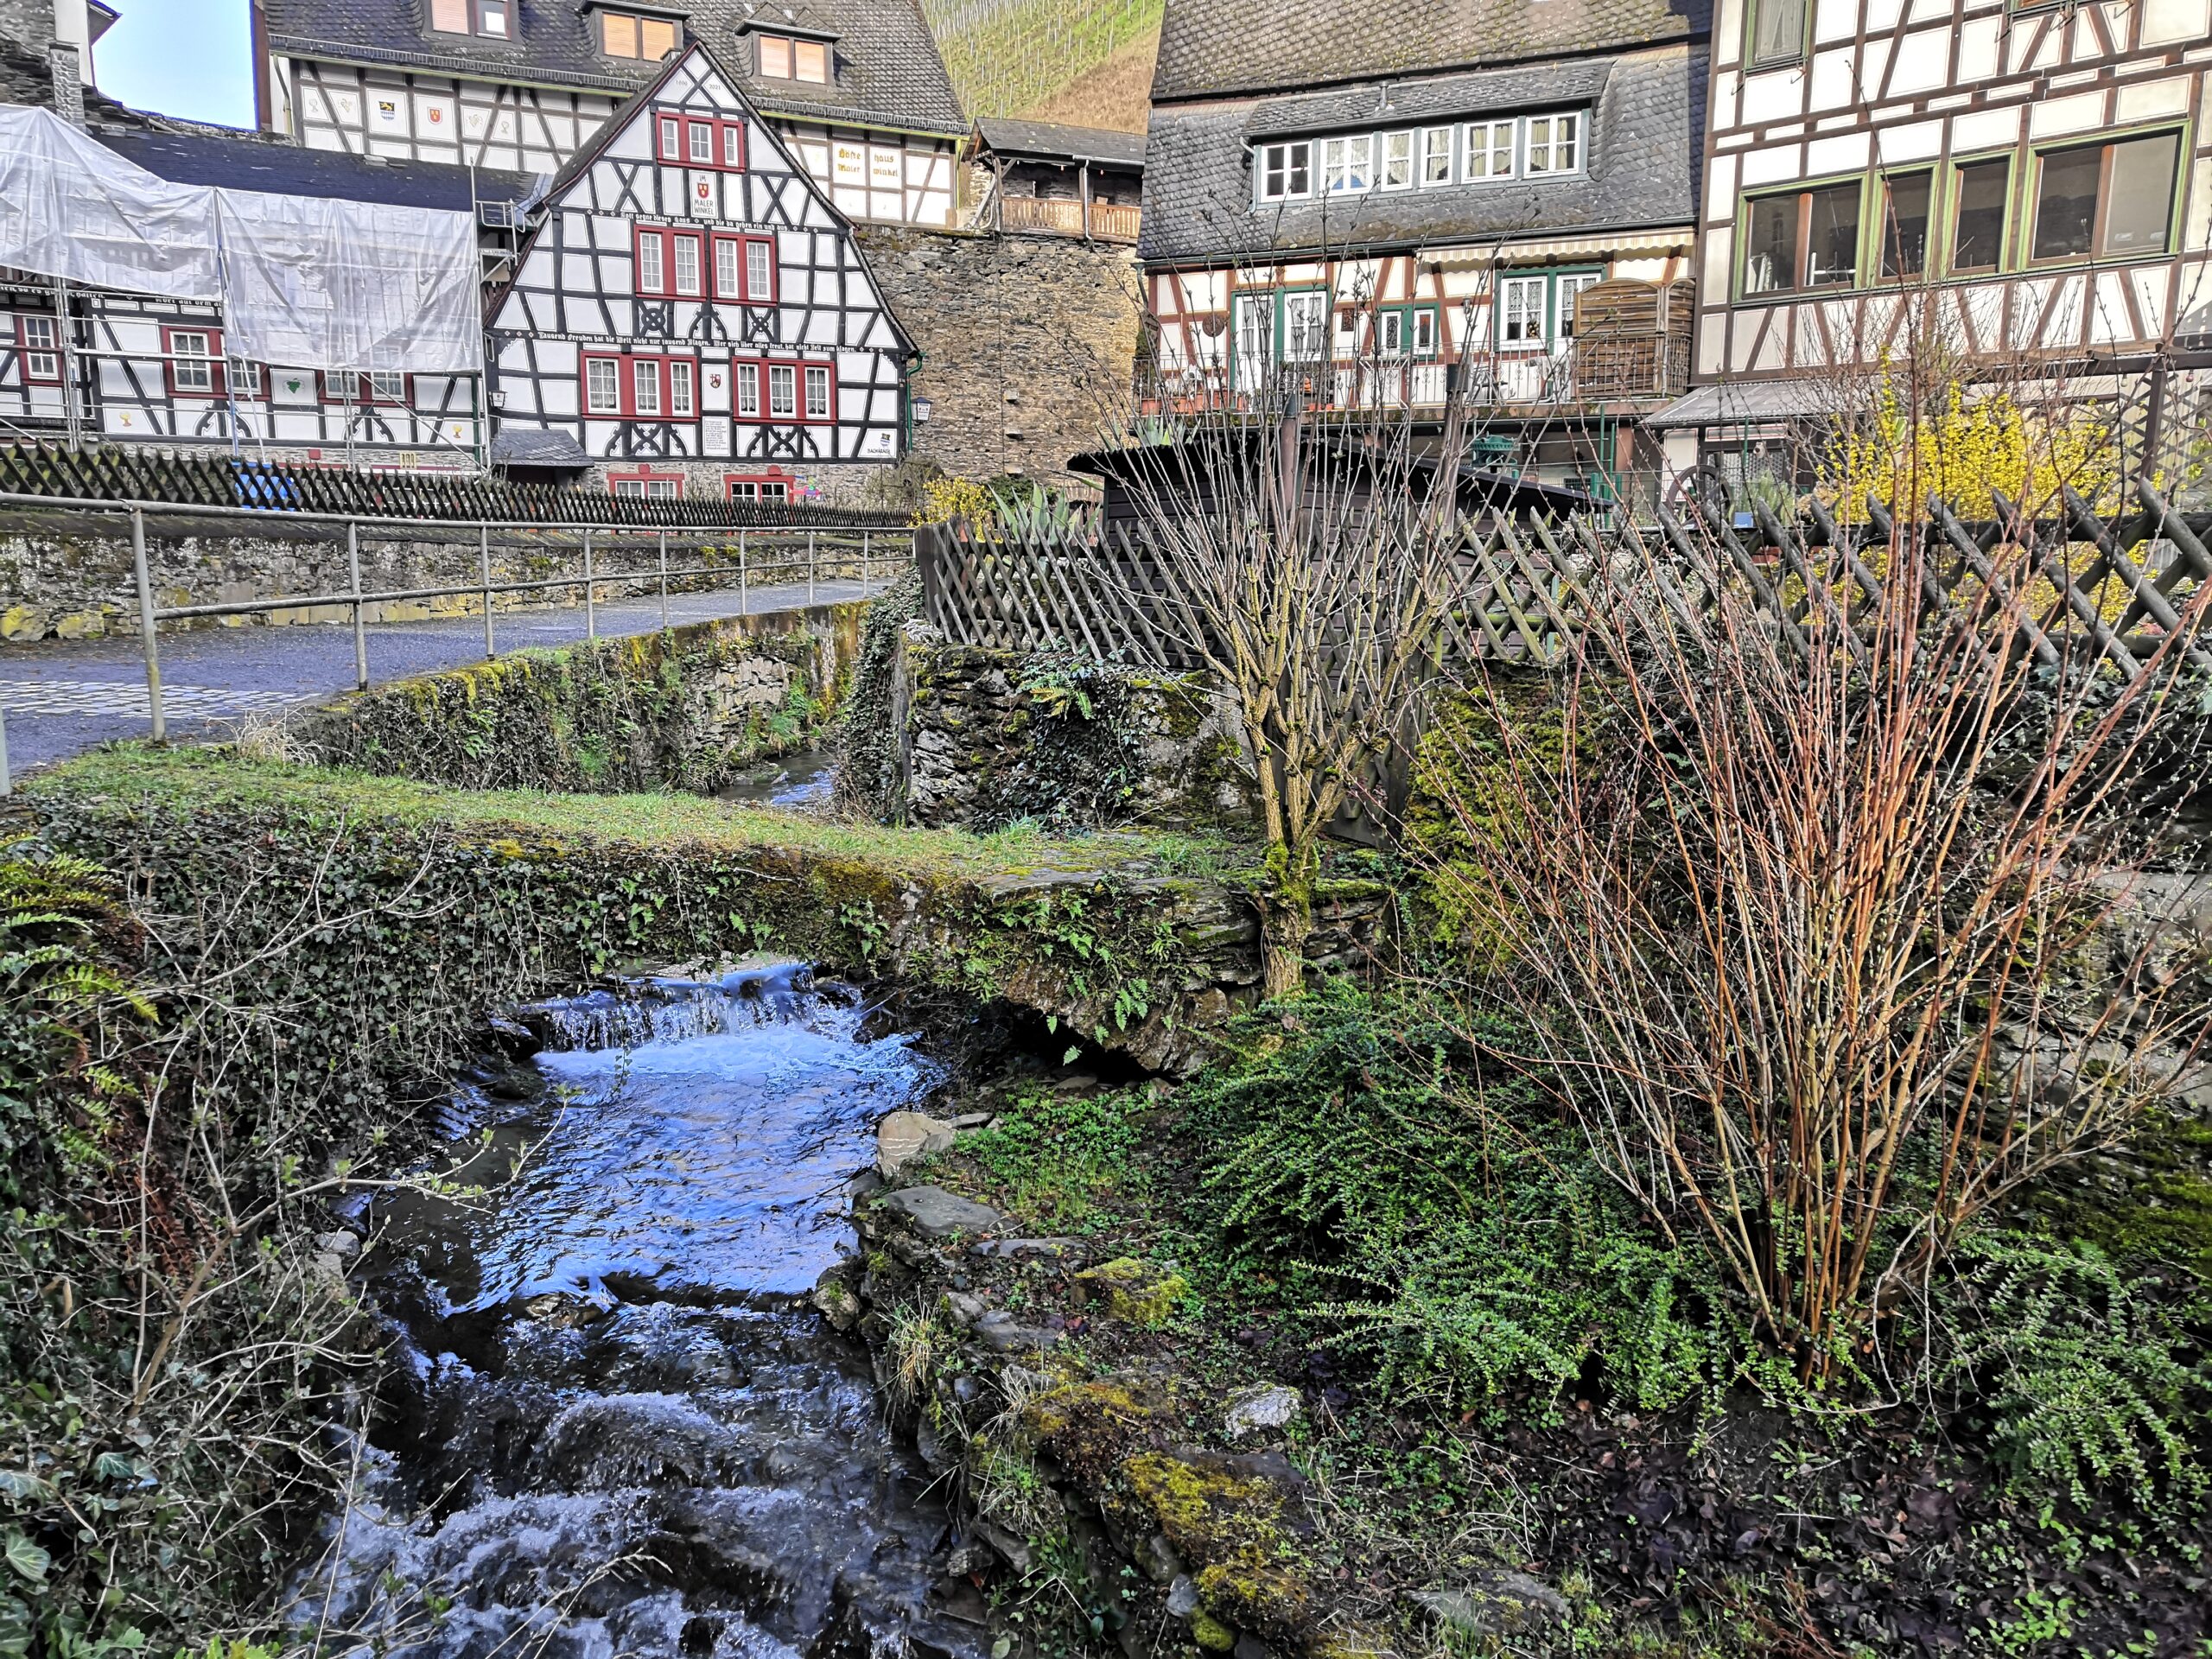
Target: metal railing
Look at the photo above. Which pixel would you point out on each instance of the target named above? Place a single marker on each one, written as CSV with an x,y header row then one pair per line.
x,y
746,556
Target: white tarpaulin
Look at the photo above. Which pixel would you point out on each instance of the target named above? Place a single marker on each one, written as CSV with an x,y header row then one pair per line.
x,y
305,281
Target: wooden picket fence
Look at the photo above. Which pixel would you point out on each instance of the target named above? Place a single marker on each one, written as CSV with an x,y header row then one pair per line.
x,y
2115,584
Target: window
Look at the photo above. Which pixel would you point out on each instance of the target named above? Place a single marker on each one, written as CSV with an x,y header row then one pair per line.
x,y
40,340
641,388
1569,286
782,58
668,264
1305,325
647,485
1907,200
1776,33
700,140
1406,331
1425,331
747,377
1396,172
487,17
195,361
783,392
758,489
603,386
1977,219
1391,333
344,386
1347,165
245,377
2111,199
622,34
1805,239
1436,156
1286,171
1254,316
1521,302
760,269
728,250
1489,154
1554,143
818,401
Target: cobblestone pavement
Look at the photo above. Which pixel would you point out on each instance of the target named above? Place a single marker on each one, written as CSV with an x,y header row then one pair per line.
x,y
62,697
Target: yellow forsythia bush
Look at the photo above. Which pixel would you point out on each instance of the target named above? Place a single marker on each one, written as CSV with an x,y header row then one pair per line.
x,y
1959,452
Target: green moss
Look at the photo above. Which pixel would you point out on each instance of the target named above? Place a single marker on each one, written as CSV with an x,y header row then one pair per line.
x,y
1211,1633
1134,1290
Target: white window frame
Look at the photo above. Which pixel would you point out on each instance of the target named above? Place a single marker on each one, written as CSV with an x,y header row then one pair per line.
x,y
686,286
1509,309
1562,131
783,392
612,402
1398,151
1564,290
817,379
41,346
650,286
748,376
1436,147
1492,141
1252,329
1305,325
192,368
1284,161
761,249
682,383
645,387
728,262
243,377
1427,321
1348,165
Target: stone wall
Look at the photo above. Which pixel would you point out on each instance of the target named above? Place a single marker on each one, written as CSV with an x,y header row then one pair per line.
x,y
685,710
986,738
1025,341
69,576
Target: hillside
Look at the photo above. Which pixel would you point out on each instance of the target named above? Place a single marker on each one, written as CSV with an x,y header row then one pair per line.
x,y
1019,57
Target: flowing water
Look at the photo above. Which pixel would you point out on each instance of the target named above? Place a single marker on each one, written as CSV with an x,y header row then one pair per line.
x,y
618,1432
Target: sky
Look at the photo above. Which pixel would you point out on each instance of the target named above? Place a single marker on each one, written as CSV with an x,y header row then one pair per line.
x,y
180,57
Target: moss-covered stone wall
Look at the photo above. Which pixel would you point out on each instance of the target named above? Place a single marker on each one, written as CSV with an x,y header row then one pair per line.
x,y
990,737
683,709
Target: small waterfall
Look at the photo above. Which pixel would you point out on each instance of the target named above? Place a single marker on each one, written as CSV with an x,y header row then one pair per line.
x,y
677,1010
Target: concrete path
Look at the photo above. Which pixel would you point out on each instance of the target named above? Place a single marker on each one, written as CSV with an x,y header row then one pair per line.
x,y
62,697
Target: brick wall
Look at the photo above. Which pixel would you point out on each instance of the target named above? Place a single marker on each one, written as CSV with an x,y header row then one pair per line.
x,y
1025,341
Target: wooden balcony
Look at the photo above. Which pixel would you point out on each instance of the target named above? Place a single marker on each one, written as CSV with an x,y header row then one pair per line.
x,y
1101,221
1574,375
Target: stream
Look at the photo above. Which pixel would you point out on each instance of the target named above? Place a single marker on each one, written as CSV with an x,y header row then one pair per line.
x,y
617,1430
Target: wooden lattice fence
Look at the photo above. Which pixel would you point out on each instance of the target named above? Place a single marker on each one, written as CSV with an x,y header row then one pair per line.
x,y
2115,585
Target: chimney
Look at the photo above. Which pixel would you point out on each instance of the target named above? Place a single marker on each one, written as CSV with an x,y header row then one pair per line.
x,y
66,58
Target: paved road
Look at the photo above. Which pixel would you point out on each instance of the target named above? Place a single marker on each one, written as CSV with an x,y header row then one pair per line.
x,y
62,696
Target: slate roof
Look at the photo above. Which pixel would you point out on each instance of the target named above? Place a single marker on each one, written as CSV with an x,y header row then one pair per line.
x,y
1646,132
889,74
530,446
1047,142
1212,48
246,162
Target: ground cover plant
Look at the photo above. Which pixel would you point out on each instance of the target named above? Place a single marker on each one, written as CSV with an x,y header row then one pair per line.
x,y
1507,1367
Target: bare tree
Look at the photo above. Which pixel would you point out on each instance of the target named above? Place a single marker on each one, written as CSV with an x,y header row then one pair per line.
x,y
1308,565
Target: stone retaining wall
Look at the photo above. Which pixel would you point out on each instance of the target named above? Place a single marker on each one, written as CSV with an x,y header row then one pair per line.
x,y
69,576
988,737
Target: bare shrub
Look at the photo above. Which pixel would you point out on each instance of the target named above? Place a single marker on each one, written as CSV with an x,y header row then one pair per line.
x,y
1811,920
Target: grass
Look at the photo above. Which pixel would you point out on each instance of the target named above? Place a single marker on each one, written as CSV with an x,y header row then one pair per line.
x,y
218,778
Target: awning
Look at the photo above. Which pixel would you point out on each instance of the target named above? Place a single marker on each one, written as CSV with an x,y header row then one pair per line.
x,y
1535,251
1749,402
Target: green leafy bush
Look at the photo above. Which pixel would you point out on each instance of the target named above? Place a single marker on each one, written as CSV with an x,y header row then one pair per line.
x,y
1437,1221
2086,1376
1056,1156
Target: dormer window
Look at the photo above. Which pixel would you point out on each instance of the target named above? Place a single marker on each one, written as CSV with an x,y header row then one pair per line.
x,y
785,57
627,34
493,19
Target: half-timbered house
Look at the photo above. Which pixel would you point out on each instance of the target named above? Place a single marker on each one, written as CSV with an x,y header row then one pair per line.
x,y
693,314
103,363
855,88
2028,183
1488,200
